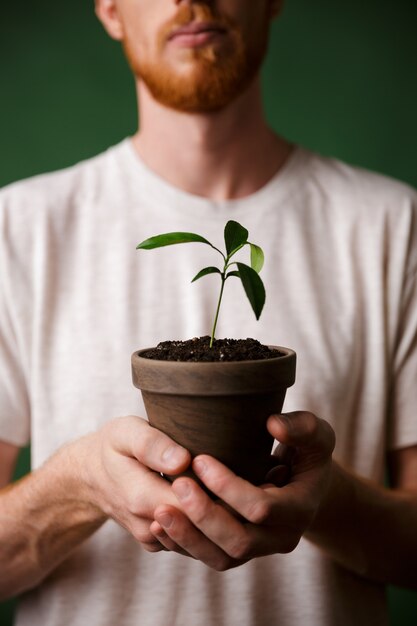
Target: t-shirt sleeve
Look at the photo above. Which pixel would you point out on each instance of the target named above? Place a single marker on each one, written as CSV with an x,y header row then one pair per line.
x,y
402,419
14,402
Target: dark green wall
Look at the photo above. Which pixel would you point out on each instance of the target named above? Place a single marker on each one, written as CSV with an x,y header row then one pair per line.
x,y
341,78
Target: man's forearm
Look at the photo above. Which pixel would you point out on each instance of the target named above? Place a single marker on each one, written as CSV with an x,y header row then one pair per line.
x,y
43,517
368,529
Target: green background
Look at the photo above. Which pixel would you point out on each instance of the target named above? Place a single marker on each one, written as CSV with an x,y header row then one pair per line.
x,y
340,78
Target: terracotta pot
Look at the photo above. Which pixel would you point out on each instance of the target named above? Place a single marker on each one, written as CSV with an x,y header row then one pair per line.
x,y
217,408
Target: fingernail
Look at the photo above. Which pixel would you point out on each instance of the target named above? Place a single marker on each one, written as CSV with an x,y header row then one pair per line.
x,y
181,489
165,519
279,475
283,419
173,455
199,467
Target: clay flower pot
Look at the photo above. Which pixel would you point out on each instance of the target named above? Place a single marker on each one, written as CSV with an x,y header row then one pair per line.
x,y
217,408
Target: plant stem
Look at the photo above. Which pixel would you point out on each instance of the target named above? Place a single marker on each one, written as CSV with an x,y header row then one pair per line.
x,y
218,309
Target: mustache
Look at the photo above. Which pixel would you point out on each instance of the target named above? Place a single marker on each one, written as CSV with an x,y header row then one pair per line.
x,y
196,12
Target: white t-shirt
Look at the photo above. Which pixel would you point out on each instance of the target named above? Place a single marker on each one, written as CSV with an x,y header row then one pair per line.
x,y
77,299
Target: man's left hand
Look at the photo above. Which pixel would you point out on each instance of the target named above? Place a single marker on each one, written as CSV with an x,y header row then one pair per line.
x,y
249,521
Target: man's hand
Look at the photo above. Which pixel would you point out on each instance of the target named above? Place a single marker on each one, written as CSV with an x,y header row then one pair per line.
x,y
250,521
121,469
51,511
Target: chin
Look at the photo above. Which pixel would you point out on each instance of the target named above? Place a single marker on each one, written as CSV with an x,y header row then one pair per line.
x,y
205,90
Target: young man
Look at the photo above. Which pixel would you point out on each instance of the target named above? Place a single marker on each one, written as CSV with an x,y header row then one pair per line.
x,y
94,534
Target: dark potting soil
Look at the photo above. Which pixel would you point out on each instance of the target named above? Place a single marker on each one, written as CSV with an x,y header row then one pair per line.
x,y
198,349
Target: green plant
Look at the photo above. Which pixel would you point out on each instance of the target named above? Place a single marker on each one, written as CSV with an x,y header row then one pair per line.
x,y
235,237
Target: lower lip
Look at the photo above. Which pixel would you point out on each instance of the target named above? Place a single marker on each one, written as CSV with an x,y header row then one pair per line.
x,y
194,40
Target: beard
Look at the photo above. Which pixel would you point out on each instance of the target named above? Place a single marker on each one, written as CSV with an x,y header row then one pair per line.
x,y
210,76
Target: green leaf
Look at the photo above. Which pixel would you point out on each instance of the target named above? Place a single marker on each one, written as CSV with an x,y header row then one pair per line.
x,y
235,236
253,287
257,257
232,274
205,271
169,239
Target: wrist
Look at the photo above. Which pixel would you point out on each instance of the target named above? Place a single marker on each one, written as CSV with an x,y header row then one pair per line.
x,y
72,467
331,530
336,495
333,493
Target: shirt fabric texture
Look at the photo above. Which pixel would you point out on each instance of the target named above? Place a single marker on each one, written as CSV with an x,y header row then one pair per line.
x,y
77,298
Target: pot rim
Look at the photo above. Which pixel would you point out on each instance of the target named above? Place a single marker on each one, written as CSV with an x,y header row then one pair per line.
x,y
214,377
286,353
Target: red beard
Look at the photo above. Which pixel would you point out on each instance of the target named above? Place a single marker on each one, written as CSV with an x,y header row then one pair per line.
x,y
211,76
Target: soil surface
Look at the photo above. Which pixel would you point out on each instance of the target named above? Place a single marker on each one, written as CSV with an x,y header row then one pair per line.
x,y
198,349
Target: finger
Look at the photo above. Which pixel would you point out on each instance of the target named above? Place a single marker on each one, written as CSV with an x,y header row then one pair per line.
x,y
264,540
279,475
211,517
183,536
142,490
280,464
304,430
133,436
259,505
153,546
140,531
165,540
283,455
239,541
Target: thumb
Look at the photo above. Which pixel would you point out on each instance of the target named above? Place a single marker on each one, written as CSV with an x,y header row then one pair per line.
x,y
302,429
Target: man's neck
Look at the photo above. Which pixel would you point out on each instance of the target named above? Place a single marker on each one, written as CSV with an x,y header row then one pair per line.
x,y
224,155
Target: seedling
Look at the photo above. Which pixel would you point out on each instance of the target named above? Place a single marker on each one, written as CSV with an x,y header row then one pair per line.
x,y
235,237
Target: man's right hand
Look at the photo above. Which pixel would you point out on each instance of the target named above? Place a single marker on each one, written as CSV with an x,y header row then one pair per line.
x,y
121,470
113,472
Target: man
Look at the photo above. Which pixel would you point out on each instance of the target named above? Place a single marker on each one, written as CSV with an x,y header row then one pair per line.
x,y
94,534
